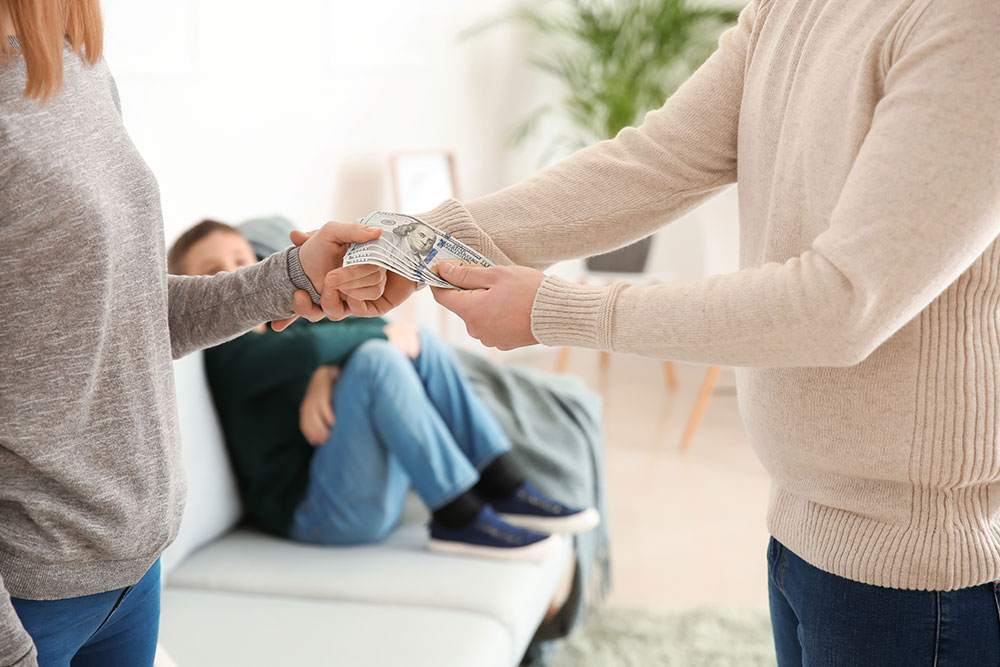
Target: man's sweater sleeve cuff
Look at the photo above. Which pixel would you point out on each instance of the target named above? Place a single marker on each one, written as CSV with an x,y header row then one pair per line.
x,y
570,314
454,219
299,277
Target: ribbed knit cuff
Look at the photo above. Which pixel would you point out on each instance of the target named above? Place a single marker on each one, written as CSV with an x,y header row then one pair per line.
x,y
299,277
452,218
570,314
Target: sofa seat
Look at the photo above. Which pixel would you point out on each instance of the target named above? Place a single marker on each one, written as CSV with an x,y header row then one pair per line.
x,y
234,596
399,571
214,629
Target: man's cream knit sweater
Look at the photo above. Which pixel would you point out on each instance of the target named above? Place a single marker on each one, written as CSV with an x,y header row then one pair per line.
x,y
865,138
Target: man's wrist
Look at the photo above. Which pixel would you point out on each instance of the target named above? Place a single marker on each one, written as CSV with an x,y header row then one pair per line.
x,y
298,276
570,314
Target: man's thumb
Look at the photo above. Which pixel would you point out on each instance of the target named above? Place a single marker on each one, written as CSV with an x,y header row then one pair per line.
x,y
467,277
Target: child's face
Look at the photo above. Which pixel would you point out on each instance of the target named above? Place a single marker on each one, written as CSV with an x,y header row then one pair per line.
x,y
219,251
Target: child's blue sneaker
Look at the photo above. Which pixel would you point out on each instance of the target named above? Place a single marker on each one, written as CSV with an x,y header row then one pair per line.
x,y
530,508
489,537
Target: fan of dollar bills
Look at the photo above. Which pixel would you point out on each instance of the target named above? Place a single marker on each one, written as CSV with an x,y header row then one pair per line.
x,y
413,249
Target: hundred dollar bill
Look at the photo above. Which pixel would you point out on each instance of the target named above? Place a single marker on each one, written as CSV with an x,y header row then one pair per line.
x,y
373,253
412,248
385,255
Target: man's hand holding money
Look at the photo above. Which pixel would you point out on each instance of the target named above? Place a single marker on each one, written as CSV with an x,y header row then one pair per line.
x,y
494,303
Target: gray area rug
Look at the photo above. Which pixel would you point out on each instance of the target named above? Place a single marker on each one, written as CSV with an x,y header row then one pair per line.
x,y
704,637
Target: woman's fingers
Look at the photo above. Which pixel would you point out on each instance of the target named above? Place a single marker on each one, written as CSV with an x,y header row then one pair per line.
x,y
346,233
361,275
281,325
332,302
298,238
362,283
363,308
368,301
364,294
303,306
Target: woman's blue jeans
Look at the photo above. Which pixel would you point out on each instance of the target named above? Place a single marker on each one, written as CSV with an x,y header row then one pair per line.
x,y
822,620
399,422
114,629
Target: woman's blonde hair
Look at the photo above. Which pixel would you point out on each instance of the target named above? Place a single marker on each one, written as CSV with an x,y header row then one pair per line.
x,y
42,28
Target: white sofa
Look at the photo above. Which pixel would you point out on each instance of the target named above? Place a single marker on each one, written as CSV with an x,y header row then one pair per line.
x,y
237,597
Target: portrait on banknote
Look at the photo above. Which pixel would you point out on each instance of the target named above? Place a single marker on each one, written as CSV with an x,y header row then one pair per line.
x,y
416,237
413,249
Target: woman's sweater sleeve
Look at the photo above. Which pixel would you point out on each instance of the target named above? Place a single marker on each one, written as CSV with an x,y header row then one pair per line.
x,y
16,647
208,310
618,191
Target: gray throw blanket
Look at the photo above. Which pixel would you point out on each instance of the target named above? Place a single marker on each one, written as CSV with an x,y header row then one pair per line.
x,y
554,423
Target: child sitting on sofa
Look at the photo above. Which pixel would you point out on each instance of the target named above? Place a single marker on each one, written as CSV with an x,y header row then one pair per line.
x,y
329,424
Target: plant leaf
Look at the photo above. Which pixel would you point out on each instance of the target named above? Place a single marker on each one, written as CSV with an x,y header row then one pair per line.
x,y
616,59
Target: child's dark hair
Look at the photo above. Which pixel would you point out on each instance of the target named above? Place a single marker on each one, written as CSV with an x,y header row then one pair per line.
x,y
175,257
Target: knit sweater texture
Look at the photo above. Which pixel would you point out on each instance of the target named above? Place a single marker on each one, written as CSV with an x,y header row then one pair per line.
x,y
865,139
91,485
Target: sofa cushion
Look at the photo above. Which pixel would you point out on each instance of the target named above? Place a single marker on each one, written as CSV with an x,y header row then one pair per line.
x,y
201,629
398,571
213,505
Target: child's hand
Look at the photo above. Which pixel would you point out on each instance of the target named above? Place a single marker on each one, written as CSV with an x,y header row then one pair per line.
x,y
316,415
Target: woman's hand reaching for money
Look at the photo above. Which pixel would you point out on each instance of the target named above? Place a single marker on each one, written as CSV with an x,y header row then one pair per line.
x,y
495,304
340,300
337,303
322,252
361,291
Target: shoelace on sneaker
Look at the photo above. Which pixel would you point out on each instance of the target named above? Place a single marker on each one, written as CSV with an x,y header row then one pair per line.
x,y
531,499
505,536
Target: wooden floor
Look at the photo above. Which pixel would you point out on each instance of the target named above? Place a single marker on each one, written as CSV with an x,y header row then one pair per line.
x,y
686,529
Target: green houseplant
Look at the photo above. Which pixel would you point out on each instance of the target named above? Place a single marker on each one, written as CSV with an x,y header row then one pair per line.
x,y
617,60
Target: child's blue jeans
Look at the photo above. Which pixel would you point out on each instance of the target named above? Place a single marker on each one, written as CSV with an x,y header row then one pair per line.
x,y
399,422
114,629
822,620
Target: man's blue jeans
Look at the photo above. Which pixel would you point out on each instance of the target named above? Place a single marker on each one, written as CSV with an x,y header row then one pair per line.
x,y
822,620
114,629
399,422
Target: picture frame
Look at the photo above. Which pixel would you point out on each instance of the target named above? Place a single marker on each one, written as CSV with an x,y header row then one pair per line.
x,y
422,179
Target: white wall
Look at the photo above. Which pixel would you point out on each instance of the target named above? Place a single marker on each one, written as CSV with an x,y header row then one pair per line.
x,y
251,107
248,107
